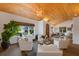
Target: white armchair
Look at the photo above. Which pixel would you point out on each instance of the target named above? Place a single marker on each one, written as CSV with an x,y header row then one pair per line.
x,y
25,45
63,43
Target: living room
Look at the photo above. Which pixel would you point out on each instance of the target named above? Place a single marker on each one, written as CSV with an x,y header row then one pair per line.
x,y
43,31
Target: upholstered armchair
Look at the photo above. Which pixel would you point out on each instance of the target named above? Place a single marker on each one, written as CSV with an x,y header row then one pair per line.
x,y
63,43
25,44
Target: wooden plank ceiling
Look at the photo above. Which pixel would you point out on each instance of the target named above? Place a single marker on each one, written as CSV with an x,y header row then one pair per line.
x,y
55,12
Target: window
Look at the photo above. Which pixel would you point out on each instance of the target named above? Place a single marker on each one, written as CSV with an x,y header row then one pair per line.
x,y
27,30
62,29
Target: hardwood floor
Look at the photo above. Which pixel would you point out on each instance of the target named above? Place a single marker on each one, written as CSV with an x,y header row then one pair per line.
x,y
12,51
73,51
15,51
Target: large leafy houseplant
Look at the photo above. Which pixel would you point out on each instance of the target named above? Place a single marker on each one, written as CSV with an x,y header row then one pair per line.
x,y
10,30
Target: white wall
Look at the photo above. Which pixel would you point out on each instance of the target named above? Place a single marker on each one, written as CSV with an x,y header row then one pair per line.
x,y
42,27
75,30
63,24
6,17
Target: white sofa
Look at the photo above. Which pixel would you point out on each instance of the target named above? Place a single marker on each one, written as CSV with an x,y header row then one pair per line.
x,y
48,50
23,44
14,39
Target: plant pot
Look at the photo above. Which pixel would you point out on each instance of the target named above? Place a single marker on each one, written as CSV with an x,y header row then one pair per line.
x,y
5,45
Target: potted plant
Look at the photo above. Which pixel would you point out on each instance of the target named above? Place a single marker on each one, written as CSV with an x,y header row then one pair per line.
x,y
10,30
